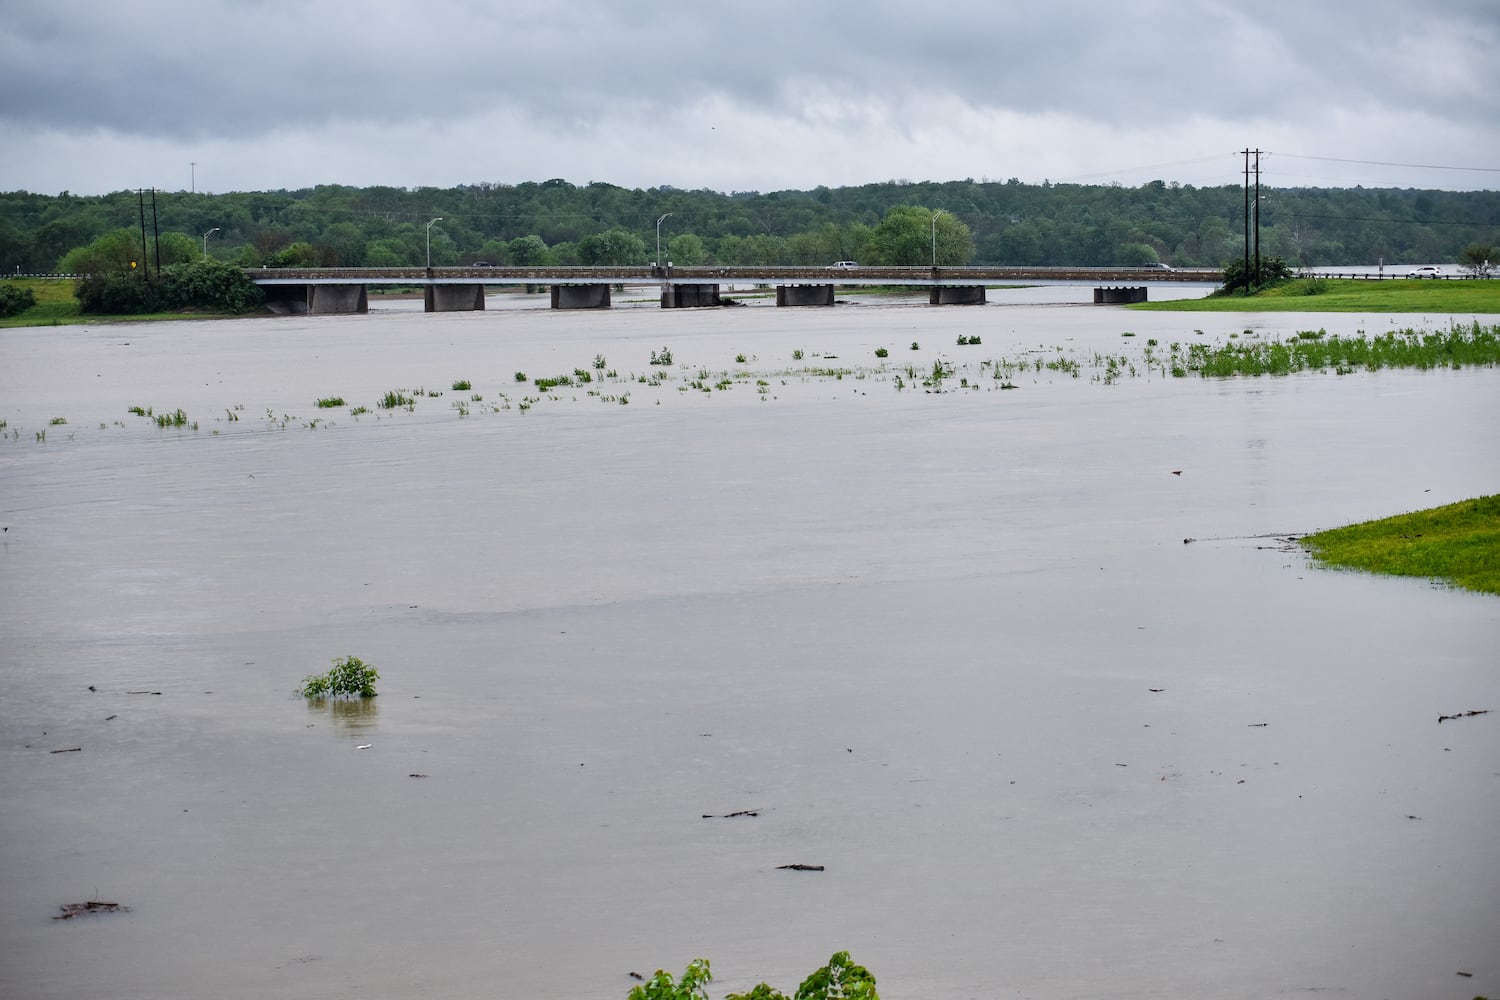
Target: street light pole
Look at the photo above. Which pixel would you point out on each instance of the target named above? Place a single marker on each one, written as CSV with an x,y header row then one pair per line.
x,y
934,234
206,235
429,240
664,218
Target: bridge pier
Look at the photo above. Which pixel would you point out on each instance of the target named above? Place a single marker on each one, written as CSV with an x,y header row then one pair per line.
x,y
689,296
804,295
1119,296
580,296
317,300
453,298
956,295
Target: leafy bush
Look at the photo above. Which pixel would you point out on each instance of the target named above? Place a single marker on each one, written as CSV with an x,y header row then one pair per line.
x,y
15,299
211,285
1273,271
840,979
350,677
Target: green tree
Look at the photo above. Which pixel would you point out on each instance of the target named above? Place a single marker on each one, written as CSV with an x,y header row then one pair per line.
x,y
120,251
299,254
613,247
348,244
911,235
840,979
687,250
493,252
529,251
1478,260
692,986
1136,254
386,253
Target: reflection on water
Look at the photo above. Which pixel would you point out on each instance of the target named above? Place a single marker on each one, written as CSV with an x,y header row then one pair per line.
x,y
350,715
948,645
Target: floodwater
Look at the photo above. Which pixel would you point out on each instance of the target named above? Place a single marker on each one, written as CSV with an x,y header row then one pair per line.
x,y
950,646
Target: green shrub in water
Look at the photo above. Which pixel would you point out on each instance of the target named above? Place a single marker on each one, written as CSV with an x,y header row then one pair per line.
x,y
350,677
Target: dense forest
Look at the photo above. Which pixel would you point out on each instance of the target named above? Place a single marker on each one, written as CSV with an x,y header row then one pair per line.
x,y
558,222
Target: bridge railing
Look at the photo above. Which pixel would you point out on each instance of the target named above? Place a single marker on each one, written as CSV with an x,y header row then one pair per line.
x,y
727,273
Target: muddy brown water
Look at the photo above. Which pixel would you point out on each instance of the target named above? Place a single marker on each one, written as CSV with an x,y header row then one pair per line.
x,y
949,646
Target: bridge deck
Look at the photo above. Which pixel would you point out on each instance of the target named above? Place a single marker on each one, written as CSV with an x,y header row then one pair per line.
x,y
645,274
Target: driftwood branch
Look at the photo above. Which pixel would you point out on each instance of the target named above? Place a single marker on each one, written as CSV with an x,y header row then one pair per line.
x,y
71,910
1463,715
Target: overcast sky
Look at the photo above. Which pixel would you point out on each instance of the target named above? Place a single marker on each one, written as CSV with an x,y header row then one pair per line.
x,y
759,95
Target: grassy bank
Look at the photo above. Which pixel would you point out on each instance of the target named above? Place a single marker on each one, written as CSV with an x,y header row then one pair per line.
x,y
1446,298
1459,543
57,306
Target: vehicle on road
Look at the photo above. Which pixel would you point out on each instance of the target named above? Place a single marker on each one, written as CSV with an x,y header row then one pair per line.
x,y
839,265
1427,271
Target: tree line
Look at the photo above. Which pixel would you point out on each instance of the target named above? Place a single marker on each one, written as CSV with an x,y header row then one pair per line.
x,y
557,222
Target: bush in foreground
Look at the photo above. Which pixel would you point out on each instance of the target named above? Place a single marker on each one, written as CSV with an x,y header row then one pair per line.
x,y
15,299
840,979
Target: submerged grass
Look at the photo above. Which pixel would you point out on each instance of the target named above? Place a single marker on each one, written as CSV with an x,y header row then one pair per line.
x,y
1458,543
1459,346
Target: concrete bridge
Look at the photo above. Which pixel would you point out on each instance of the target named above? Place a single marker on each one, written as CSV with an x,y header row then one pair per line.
x,y
457,289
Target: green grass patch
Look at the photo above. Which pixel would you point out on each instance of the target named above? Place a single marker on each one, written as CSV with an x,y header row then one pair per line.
x,y
1459,346
1401,295
1459,544
55,303
329,402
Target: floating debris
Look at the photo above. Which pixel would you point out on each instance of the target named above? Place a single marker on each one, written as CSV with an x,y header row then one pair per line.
x,y
71,910
1463,715
741,812
801,868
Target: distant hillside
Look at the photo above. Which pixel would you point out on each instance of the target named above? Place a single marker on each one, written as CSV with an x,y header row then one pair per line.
x,y
1011,223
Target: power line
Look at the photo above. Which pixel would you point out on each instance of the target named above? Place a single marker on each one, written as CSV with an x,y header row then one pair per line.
x,y
1381,163
1391,222
1133,170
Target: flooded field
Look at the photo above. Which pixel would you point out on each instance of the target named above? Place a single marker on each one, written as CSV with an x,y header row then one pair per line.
x,y
944,640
